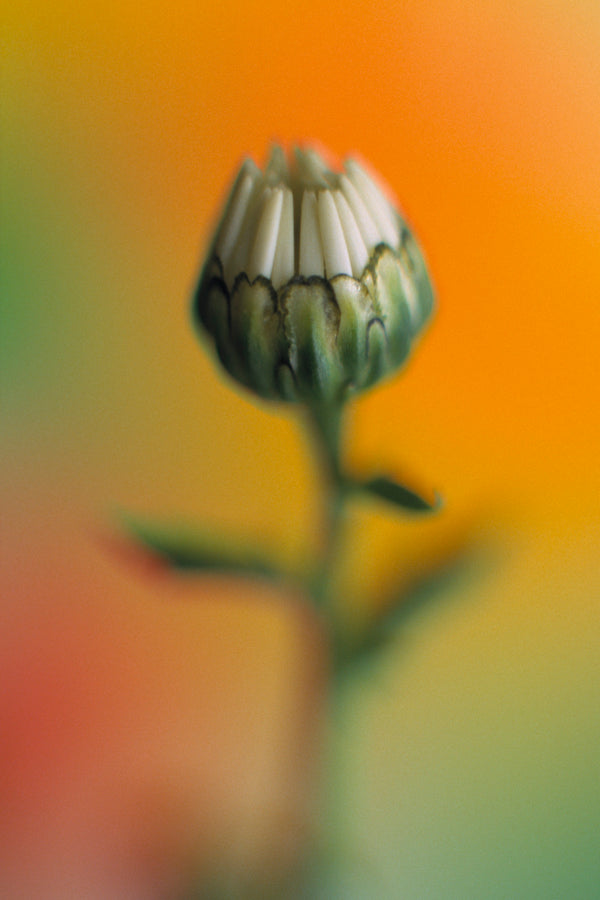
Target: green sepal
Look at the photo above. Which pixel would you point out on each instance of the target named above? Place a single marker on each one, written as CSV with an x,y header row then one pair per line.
x,y
193,550
212,310
415,270
384,488
382,279
356,314
286,383
311,322
256,332
377,354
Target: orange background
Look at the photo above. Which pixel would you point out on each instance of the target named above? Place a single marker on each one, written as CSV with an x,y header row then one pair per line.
x,y
147,721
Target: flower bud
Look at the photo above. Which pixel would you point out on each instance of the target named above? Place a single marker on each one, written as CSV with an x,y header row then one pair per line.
x,y
314,287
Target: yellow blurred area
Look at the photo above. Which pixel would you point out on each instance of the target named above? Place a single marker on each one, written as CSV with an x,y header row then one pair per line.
x,y
155,726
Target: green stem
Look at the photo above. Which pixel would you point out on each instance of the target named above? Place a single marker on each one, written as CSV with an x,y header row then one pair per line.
x,y
326,425
326,422
331,843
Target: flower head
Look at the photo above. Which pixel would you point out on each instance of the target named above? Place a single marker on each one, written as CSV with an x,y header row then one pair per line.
x,y
314,287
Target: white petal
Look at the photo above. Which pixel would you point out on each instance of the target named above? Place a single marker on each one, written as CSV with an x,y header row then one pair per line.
x,y
375,202
260,261
311,254
312,170
242,247
236,209
335,251
277,170
283,264
357,251
368,228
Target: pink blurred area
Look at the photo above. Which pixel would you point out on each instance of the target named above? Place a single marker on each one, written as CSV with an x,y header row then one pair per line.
x,y
156,731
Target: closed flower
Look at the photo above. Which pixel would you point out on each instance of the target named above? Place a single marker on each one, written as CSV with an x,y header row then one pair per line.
x,y
314,287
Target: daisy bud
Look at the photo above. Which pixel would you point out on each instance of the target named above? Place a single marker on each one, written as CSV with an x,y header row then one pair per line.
x,y
314,287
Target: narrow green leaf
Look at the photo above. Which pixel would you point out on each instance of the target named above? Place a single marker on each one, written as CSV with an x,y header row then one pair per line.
x,y
440,579
399,495
187,549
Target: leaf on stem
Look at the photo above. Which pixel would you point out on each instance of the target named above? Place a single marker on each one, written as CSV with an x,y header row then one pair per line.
x,y
194,550
463,557
384,488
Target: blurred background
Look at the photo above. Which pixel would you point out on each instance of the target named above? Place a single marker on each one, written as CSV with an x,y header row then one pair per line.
x,y
154,730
